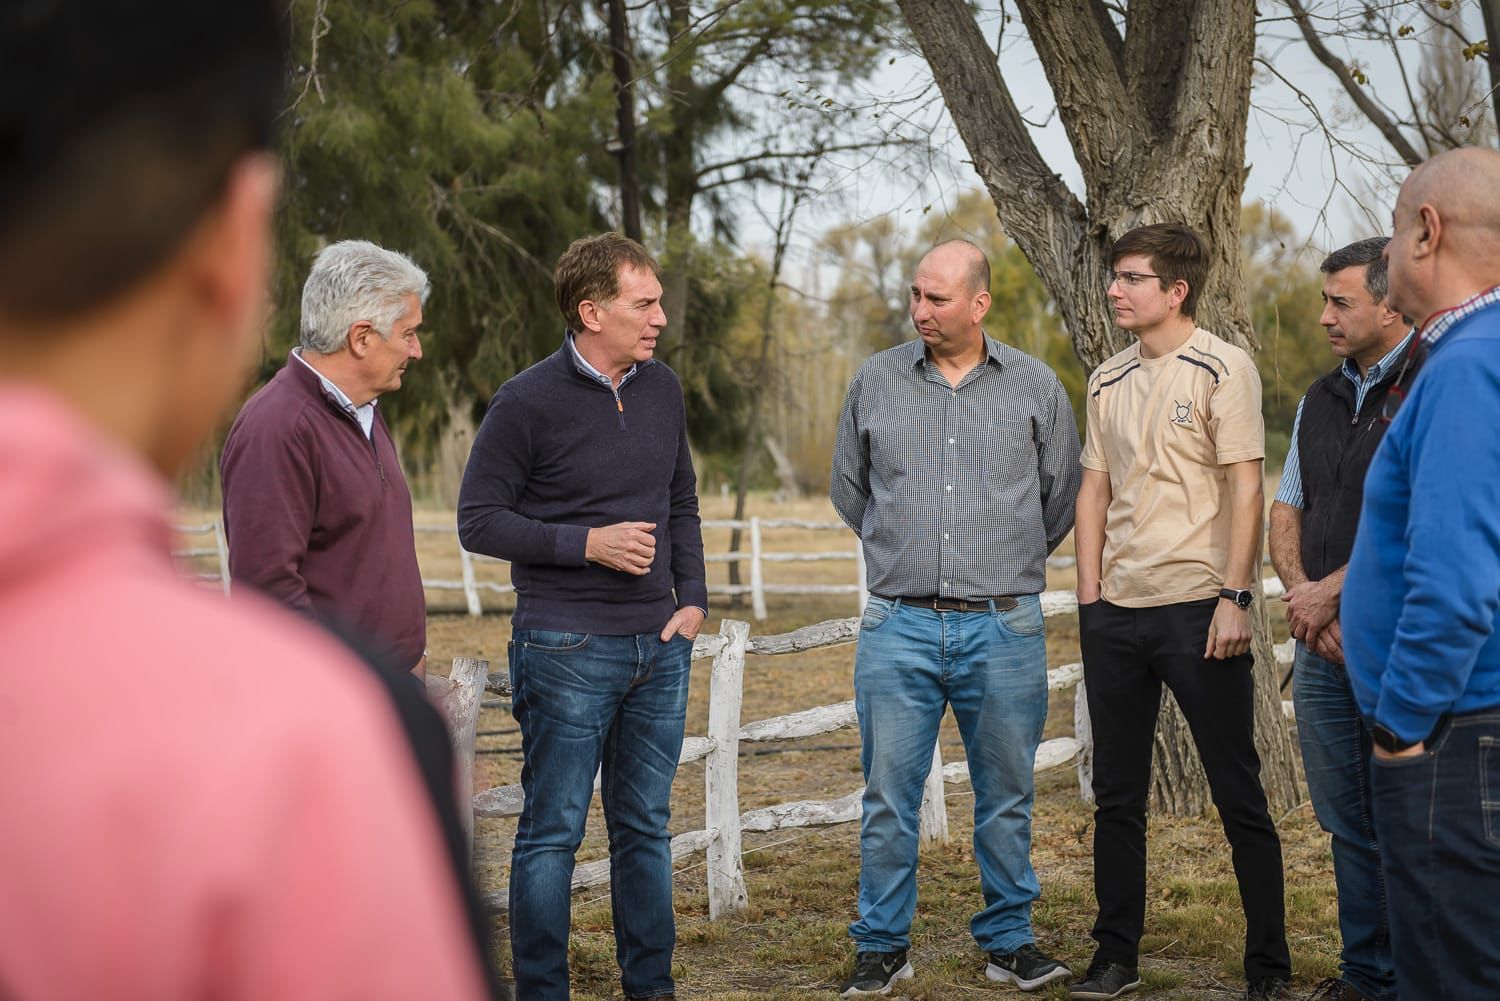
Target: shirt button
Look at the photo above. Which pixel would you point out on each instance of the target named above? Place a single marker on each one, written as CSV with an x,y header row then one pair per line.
x,y
945,583
950,441
952,392
949,488
945,536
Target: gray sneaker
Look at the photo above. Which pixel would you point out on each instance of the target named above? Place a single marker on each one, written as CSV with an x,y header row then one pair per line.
x,y
1105,980
1028,968
875,973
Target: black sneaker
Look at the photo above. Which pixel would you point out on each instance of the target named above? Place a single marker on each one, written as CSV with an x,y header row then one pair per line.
x,y
1028,968
875,972
1334,989
1268,989
1105,980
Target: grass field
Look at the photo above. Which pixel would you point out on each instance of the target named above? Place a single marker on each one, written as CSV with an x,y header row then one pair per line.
x,y
791,941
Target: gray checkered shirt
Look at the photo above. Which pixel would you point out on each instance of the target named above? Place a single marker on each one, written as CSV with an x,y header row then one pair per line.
x,y
956,492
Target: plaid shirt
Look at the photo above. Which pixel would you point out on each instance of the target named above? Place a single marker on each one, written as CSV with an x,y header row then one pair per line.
x,y
1444,320
956,491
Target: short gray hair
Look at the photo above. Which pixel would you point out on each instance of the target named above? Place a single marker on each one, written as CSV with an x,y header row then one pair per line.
x,y
355,280
1368,254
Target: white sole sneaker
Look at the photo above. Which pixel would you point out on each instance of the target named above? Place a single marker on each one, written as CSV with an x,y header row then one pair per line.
x,y
1001,975
905,973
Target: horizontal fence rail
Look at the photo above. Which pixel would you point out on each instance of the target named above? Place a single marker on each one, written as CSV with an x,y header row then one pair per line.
x,y
757,557
719,748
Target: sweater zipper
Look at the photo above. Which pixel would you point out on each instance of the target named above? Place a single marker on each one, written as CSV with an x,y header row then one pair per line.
x,y
374,450
619,405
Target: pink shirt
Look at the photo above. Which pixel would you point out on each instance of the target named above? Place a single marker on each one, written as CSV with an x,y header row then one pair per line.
x,y
197,799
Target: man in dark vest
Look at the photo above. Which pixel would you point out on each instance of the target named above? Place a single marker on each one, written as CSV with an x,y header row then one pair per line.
x,y
1313,520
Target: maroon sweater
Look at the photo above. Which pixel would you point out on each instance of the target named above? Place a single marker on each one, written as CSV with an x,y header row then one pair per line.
x,y
318,516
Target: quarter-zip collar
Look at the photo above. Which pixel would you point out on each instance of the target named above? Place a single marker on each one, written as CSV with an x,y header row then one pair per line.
x,y
364,415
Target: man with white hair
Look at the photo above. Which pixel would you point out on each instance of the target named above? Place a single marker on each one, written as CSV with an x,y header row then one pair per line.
x,y
316,510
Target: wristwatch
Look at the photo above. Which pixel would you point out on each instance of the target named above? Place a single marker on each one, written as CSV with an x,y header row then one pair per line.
x,y
1240,598
1386,740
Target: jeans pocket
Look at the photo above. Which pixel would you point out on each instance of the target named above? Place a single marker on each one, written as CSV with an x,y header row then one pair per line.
x,y
1489,787
1025,619
548,641
877,612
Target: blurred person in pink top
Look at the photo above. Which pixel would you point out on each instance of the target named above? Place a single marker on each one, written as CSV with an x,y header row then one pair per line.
x,y
198,800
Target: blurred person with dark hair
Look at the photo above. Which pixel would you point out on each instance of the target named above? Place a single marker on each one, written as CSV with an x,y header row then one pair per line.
x,y
1313,518
316,509
1168,540
581,476
201,800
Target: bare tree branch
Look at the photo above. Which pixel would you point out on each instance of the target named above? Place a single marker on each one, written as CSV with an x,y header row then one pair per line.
x,y
1356,93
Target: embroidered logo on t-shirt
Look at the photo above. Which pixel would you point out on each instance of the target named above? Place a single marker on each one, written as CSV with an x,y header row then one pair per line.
x,y
1182,413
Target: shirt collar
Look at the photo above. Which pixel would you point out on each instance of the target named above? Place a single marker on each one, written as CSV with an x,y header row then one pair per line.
x,y
583,366
329,386
1351,370
918,351
1442,321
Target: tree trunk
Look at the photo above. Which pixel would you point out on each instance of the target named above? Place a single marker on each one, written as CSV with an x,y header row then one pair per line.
x,y
630,185
1156,119
679,164
1491,11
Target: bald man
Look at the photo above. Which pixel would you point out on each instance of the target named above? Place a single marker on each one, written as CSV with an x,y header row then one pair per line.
x,y
1423,589
956,464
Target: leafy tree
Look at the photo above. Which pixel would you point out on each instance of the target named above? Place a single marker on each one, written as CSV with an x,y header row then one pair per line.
x,y
438,129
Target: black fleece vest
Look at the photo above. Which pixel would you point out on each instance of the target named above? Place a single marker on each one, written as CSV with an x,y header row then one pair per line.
x,y
1335,446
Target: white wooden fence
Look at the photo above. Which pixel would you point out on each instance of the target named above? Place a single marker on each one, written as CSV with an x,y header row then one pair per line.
x,y
724,824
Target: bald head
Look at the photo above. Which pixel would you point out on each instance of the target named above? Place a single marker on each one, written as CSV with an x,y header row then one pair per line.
x,y
956,255
1446,244
1462,184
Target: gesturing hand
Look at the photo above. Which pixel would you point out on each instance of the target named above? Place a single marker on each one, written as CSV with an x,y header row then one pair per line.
x,y
628,547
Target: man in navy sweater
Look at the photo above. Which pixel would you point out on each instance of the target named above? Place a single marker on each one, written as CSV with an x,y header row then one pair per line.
x,y
1423,589
581,477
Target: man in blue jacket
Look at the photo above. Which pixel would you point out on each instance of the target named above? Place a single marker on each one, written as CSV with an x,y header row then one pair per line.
x,y
1423,589
581,477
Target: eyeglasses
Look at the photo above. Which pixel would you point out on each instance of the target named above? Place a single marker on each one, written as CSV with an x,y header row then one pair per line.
x,y
1130,279
1397,393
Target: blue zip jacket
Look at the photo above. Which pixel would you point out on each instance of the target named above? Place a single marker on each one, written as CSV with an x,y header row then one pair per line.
x,y
1423,587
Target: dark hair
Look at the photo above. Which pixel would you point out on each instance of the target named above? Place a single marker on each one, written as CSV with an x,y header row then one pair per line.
x,y
589,270
1176,253
119,124
1368,254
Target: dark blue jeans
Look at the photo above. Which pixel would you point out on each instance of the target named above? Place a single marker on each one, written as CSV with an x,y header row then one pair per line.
x,y
1437,818
1336,754
583,701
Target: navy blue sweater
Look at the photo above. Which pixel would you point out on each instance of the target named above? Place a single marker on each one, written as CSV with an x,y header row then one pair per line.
x,y
557,456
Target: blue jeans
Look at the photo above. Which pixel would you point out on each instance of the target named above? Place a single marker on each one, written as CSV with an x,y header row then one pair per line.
x,y
992,669
1437,817
583,700
1336,754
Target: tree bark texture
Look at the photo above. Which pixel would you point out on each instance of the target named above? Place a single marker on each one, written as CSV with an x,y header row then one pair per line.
x,y
624,70
1156,118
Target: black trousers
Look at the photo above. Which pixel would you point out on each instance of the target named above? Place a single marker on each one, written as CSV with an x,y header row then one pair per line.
x,y
1128,654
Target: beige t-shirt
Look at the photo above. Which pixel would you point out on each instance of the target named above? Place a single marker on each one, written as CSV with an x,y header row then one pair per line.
x,y
1163,429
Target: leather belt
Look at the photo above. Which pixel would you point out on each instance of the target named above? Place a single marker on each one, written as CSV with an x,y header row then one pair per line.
x,y
1002,602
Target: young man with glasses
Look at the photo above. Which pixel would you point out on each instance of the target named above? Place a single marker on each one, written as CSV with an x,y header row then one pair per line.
x,y
1423,590
1313,518
1168,542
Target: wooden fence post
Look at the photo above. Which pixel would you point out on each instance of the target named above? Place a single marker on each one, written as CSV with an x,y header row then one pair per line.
x,y
461,709
471,593
757,573
933,820
221,543
726,873
1083,731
